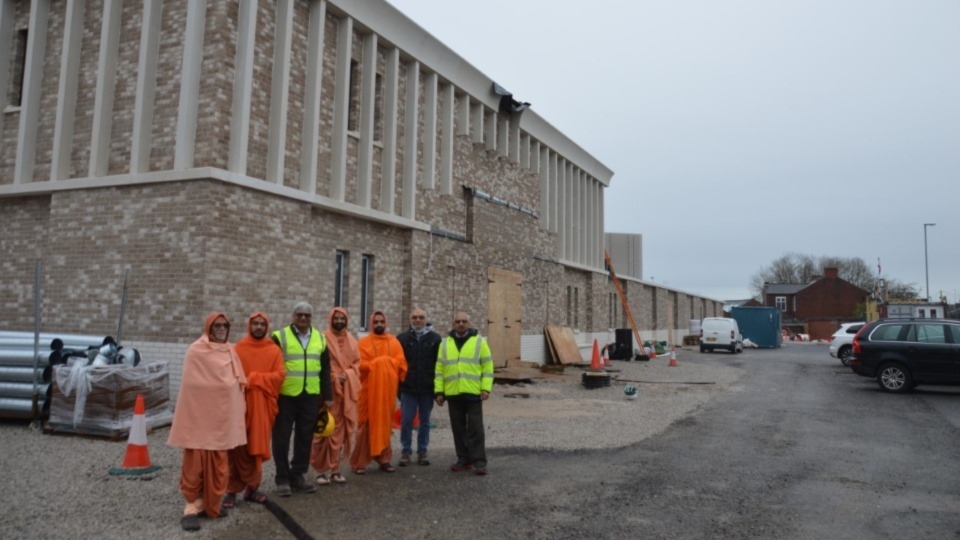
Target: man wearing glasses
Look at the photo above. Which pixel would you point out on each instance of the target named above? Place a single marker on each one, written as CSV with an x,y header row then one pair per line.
x,y
307,381
420,348
464,378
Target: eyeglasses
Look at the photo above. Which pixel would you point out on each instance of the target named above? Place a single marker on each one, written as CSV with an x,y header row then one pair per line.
x,y
461,321
303,315
417,317
221,325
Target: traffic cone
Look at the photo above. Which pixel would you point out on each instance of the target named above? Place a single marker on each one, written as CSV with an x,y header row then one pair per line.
x,y
137,458
595,363
673,356
397,419
653,350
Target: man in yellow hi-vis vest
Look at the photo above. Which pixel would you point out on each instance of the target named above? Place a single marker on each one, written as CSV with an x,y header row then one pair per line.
x,y
307,381
464,378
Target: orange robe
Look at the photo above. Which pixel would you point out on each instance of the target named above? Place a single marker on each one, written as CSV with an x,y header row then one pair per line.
x,y
208,420
262,363
344,358
382,366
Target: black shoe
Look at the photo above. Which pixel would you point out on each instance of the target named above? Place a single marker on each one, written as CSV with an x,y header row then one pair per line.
x,y
283,490
190,522
302,486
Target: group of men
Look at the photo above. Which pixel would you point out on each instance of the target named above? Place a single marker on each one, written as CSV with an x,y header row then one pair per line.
x,y
240,404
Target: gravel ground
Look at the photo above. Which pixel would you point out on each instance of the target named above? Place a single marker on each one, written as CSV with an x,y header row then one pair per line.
x,y
58,486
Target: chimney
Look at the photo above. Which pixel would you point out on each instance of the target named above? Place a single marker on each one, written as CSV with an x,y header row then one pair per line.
x,y
831,273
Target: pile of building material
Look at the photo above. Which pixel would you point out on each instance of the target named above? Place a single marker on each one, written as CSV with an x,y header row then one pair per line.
x,y
25,361
99,400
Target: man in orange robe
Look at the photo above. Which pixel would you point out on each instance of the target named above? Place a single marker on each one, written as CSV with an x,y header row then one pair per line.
x,y
208,420
263,366
382,366
345,380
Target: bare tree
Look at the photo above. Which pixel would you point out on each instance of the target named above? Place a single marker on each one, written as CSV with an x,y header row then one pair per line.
x,y
796,268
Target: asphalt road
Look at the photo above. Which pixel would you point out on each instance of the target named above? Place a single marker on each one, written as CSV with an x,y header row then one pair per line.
x,y
801,448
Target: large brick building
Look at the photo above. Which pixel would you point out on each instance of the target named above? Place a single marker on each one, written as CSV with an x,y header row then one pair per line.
x,y
247,155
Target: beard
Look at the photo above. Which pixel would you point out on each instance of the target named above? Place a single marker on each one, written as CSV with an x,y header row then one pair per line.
x,y
379,330
258,333
220,336
339,326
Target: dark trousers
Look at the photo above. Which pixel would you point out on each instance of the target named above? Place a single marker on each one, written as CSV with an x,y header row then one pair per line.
x,y
298,415
466,421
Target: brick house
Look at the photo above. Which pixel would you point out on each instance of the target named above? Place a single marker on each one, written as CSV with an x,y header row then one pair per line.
x,y
816,308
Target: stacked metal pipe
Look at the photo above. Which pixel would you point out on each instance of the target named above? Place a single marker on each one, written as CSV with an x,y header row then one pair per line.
x,y
22,370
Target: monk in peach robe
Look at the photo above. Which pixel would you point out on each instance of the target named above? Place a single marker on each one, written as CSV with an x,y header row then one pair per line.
x,y
345,381
208,421
262,363
382,366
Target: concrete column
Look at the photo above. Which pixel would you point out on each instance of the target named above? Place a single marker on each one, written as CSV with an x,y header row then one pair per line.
x,y
446,141
569,209
410,133
562,214
388,169
524,141
430,130
106,86
490,117
543,158
279,92
463,115
503,135
145,103
190,85
555,192
67,94
310,132
30,99
601,211
341,110
476,125
368,99
513,143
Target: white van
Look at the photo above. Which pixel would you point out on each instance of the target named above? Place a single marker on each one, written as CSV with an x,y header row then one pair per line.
x,y
720,333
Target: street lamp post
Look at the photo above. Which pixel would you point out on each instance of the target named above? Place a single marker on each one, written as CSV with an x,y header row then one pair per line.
x,y
926,264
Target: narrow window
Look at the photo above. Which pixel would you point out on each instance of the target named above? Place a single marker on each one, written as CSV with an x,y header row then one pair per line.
x,y
15,92
366,290
378,109
781,303
353,113
569,304
339,281
576,307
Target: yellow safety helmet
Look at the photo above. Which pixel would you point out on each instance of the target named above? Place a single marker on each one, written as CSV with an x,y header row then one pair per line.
x,y
325,425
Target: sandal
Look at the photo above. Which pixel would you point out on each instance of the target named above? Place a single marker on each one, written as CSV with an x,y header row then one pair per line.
x,y
387,467
258,497
229,500
322,480
338,478
360,471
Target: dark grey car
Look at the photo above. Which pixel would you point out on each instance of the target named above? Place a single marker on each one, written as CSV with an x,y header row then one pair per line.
x,y
902,353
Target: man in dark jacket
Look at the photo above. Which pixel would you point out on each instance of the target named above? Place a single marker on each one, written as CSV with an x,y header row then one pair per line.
x,y
420,346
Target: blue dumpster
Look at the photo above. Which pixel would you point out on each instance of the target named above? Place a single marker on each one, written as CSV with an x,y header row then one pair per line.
x,y
760,325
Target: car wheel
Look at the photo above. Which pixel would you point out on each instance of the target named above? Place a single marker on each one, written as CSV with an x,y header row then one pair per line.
x,y
844,354
733,348
895,378
702,348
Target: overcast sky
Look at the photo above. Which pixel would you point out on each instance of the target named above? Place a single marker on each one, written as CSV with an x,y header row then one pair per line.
x,y
739,131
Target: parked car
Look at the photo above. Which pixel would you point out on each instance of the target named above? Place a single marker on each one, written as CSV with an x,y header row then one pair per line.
x,y
902,353
841,342
720,333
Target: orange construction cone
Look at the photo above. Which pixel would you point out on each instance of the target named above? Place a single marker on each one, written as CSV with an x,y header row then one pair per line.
x,y
397,418
653,351
137,458
595,363
673,357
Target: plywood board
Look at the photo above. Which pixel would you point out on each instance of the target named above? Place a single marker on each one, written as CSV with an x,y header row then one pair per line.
x,y
564,343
